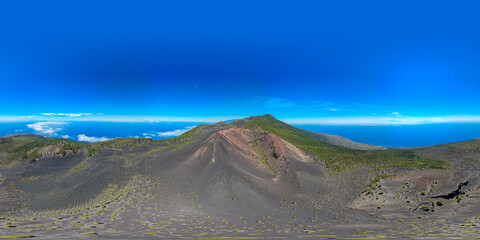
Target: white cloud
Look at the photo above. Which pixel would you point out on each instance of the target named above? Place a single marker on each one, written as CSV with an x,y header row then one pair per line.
x,y
48,128
396,114
67,114
65,136
85,138
148,135
174,133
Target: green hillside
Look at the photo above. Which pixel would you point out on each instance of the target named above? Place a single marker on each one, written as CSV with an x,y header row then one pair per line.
x,y
469,145
26,146
338,158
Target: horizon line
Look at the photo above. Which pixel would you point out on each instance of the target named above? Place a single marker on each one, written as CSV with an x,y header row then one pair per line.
x,y
347,120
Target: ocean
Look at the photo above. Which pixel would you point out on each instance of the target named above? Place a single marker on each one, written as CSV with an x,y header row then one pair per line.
x,y
391,136
403,135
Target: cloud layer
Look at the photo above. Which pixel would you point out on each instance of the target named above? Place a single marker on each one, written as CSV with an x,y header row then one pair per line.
x,y
48,128
67,114
174,133
85,138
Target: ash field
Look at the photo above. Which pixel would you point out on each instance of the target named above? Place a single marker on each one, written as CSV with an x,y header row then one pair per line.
x,y
255,178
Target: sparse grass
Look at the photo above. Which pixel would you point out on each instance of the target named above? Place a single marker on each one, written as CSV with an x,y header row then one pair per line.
x,y
369,190
119,143
27,147
262,163
337,158
72,146
178,146
157,149
470,145
186,135
425,208
18,148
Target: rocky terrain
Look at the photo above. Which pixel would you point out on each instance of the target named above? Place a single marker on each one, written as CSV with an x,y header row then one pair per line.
x,y
254,178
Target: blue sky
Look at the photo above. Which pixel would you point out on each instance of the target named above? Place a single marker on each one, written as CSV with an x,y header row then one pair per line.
x,y
367,62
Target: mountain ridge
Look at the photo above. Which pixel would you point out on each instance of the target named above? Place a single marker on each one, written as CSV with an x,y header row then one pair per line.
x,y
253,176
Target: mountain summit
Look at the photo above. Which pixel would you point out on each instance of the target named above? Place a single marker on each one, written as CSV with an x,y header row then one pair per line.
x,y
271,123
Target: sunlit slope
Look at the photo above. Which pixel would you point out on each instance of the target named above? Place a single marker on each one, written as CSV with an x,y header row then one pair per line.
x,y
338,158
16,148
463,155
341,141
469,145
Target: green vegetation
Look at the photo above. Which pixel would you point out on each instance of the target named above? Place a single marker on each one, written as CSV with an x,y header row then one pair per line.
x,y
179,141
119,143
156,150
133,143
72,146
93,150
262,163
179,145
458,198
27,147
380,177
338,158
425,208
374,183
470,145
186,135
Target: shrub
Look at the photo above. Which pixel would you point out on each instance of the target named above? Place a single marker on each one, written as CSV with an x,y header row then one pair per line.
x,y
425,208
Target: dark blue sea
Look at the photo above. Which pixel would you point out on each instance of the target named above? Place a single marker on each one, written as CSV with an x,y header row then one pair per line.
x,y
403,135
393,136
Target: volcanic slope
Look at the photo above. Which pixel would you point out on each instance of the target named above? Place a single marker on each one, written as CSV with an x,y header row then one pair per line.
x,y
253,178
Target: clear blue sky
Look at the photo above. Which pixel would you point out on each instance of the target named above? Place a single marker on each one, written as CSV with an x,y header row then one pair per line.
x,y
219,59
